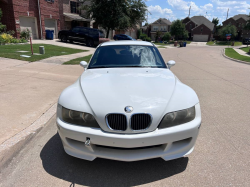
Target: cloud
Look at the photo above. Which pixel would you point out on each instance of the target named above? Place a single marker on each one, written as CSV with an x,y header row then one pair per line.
x,y
208,6
157,12
158,9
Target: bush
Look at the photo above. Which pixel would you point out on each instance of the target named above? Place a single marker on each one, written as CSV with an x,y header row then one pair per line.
x,y
148,39
143,37
25,34
139,33
166,37
6,38
23,40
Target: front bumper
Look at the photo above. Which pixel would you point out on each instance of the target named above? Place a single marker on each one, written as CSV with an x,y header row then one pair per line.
x,y
169,143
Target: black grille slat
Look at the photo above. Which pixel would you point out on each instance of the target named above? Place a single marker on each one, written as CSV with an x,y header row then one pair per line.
x,y
117,122
140,121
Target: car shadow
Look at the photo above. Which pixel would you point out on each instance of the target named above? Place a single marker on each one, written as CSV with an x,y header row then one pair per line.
x,y
103,172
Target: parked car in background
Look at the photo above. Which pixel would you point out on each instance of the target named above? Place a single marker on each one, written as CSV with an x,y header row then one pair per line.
x,y
119,109
92,37
123,37
246,41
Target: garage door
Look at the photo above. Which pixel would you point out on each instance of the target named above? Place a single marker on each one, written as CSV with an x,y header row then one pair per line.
x,y
50,24
29,23
200,38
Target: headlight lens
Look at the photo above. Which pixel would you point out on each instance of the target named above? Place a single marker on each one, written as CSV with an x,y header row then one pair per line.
x,y
177,118
79,118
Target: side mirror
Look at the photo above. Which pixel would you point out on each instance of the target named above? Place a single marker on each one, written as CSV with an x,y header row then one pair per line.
x,y
170,63
83,64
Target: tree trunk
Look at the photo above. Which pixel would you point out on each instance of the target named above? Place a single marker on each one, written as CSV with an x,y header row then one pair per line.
x,y
107,34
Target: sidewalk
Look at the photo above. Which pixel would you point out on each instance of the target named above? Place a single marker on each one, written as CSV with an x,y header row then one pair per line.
x,y
241,52
64,58
27,90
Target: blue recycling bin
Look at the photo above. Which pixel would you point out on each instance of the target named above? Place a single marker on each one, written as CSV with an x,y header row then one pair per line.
x,y
184,44
49,34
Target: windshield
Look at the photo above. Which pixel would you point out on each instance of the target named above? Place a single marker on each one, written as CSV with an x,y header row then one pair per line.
x,y
126,56
129,37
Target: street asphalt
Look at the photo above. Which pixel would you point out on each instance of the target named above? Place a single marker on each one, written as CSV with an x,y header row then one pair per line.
x,y
220,158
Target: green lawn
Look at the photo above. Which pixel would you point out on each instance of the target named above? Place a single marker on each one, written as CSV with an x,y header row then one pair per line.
x,y
246,49
224,43
171,42
78,60
210,43
10,51
230,52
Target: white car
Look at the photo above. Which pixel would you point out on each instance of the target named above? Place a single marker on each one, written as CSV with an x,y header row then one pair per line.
x,y
128,106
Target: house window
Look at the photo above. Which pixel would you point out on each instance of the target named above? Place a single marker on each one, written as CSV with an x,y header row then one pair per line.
x,y
190,26
201,29
74,7
155,28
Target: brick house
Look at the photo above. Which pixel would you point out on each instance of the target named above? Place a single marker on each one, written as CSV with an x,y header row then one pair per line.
x,y
199,28
239,21
35,15
162,24
71,15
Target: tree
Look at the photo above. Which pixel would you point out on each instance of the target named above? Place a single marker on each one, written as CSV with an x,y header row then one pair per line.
x,y
146,24
247,26
158,34
2,27
178,29
138,33
166,36
215,21
116,14
229,29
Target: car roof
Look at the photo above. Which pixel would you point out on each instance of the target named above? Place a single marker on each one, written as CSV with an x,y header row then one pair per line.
x,y
127,42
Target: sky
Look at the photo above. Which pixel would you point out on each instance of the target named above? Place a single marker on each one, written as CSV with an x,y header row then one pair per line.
x,y
179,9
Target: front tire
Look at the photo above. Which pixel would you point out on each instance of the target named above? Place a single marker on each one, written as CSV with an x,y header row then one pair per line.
x,y
64,38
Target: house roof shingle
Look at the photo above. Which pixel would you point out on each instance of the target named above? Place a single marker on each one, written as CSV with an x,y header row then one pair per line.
x,y
244,16
202,20
164,20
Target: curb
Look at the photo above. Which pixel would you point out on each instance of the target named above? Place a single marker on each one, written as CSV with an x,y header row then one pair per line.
x,y
243,62
12,146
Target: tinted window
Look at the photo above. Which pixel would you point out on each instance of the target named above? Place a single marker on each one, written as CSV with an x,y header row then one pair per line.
x,y
76,29
93,32
127,56
83,30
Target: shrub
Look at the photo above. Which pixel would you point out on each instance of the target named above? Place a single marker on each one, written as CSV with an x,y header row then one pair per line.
x,y
148,39
166,37
139,33
143,37
25,34
6,38
23,40
14,40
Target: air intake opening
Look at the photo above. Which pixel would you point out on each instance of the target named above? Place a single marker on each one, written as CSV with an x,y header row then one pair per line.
x,y
140,121
116,122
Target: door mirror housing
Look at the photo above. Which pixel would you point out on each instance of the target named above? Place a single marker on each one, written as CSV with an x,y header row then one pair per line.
x,y
84,64
170,63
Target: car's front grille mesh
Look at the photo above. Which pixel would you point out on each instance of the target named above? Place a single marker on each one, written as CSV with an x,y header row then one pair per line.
x,y
117,122
140,121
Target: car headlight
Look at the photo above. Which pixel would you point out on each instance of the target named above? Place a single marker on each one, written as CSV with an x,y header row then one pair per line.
x,y
177,118
79,118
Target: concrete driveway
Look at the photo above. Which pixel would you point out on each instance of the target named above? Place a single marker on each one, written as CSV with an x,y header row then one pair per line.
x,y
27,90
220,158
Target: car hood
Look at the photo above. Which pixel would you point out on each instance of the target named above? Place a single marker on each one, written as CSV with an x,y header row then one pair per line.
x,y
110,90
